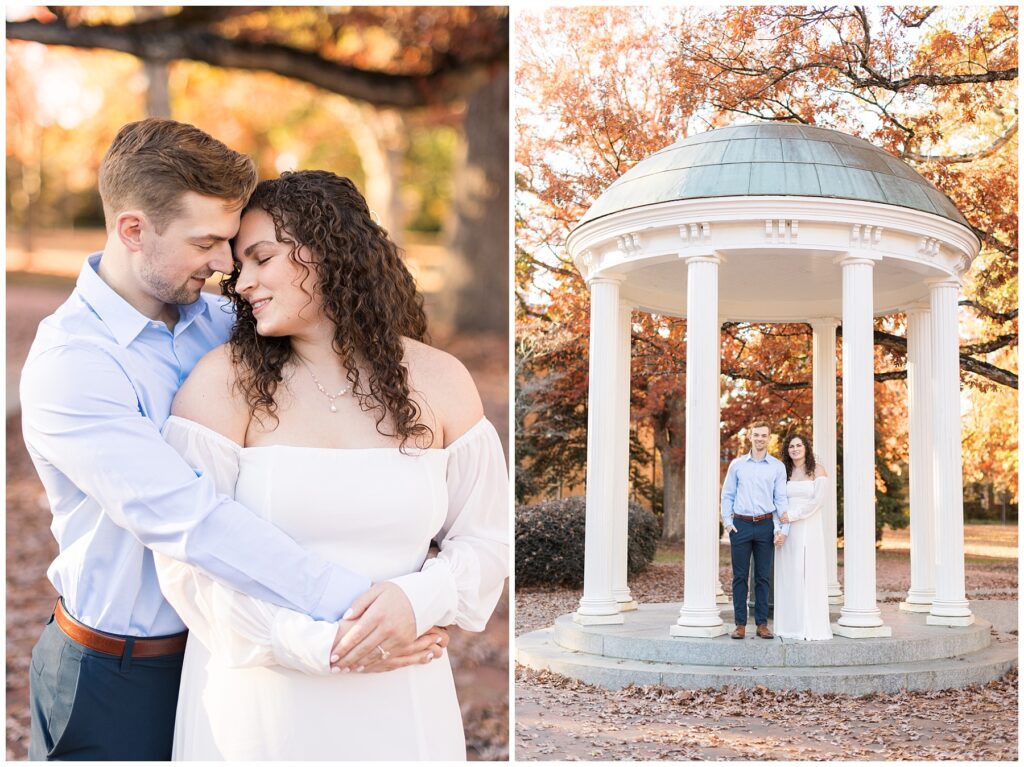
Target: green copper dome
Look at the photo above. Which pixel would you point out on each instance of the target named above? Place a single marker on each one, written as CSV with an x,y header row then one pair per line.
x,y
773,159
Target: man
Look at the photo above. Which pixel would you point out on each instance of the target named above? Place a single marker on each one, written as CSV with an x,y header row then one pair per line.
x,y
96,389
753,501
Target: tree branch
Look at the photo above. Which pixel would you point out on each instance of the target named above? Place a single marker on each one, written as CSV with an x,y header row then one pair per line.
x,y
982,309
993,242
990,346
968,363
448,82
926,12
991,149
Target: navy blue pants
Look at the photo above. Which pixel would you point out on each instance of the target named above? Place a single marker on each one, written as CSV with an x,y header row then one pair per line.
x,y
756,537
87,705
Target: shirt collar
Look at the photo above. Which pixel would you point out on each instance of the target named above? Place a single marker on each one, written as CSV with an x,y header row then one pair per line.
x,y
750,457
123,319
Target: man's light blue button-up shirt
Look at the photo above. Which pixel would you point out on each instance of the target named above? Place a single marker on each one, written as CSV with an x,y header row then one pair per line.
x,y
95,391
753,488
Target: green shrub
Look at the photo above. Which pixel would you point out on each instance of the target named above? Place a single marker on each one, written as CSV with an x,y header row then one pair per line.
x,y
550,538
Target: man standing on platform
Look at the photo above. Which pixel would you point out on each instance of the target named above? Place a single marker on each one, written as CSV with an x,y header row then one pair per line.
x,y
753,500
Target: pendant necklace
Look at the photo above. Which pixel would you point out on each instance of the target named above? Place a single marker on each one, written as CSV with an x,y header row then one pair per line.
x,y
330,397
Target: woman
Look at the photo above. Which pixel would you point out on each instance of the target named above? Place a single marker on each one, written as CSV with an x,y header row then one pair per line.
x,y
327,414
801,595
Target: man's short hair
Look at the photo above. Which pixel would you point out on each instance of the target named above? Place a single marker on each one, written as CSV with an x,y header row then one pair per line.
x,y
760,425
152,162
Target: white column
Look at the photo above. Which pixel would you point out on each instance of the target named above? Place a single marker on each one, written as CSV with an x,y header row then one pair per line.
x,y
860,616
950,606
824,424
922,507
598,604
699,615
720,597
620,536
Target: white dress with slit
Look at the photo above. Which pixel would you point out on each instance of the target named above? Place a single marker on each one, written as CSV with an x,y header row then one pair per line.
x,y
256,682
801,582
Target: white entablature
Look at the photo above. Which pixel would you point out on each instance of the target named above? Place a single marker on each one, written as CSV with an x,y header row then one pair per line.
x,y
779,253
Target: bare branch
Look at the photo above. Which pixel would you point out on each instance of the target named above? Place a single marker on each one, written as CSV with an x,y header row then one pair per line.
x,y
917,22
991,149
448,82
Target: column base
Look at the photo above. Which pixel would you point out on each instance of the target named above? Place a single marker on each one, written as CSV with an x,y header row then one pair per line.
x,y
861,632
949,620
722,599
625,607
704,632
597,620
915,607
837,600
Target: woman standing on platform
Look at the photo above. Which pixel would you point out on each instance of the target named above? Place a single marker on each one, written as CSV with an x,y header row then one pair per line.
x,y
801,596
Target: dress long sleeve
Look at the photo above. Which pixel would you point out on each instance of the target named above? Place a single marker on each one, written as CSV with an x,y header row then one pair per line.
x,y
463,583
816,502
241,629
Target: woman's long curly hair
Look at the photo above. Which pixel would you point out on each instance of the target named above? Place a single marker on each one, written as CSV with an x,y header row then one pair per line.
x,y
365,289
809,462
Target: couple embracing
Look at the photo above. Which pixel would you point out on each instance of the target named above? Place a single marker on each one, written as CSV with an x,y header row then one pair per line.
x,y
768,504
245,489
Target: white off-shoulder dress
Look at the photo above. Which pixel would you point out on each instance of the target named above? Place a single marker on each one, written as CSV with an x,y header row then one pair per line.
x,y
801,582
256,682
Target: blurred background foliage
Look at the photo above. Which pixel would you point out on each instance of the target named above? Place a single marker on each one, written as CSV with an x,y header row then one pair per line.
x,y
384,96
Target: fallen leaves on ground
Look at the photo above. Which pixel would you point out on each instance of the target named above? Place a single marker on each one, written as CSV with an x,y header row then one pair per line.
x,y
561,718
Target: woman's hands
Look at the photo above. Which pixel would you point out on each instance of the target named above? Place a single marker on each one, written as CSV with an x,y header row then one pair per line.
x,y
380,617
422,650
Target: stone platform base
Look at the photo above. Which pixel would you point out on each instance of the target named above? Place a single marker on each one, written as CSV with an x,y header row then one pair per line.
x,y
641,651
915,607
861,632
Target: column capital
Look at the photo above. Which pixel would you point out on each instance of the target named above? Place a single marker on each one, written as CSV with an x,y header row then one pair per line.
x,y
856,257
606,279
825,323
918,307
709,258
943,282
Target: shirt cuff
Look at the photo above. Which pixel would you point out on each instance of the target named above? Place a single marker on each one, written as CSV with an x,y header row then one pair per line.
x,y
433,595
342,589
303,644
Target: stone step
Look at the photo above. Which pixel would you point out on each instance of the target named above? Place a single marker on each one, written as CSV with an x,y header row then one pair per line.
x,y
644,636
538,650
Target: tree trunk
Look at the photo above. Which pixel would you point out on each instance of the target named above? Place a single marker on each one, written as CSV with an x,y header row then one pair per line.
x,y
158,94
31,186
669,437
476,284
381,138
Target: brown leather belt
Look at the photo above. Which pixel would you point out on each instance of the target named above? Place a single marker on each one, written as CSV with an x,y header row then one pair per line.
x,y
114,645
753,519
